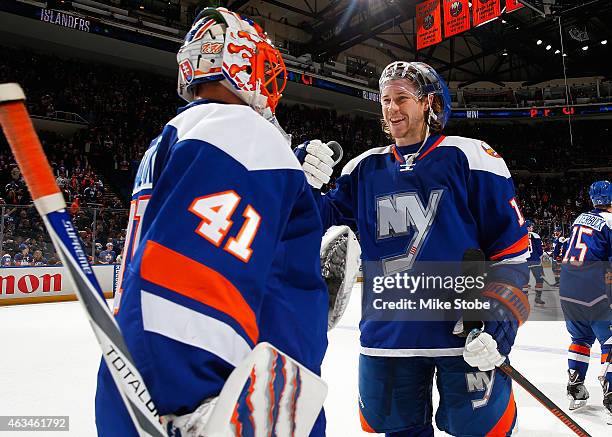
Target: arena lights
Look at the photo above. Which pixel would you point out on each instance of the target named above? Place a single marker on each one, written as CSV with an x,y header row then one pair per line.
x,y
585,48
604,42
539,42
548,47
557,51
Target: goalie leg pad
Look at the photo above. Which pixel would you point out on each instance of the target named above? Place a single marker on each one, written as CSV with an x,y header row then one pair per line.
x,y
269,393
340,258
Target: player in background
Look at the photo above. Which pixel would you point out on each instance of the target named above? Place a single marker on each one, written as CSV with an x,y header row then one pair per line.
x,y
557,253
585,296
222,248
429,197
535,262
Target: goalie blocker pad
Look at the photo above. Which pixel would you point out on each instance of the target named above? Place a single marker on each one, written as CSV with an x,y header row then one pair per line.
x,y
269,393
340,258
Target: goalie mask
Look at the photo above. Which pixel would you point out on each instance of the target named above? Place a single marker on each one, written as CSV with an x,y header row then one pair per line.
x,y
223,46
427,83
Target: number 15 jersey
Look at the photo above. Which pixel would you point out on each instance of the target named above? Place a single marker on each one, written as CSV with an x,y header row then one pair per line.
x,y
586,261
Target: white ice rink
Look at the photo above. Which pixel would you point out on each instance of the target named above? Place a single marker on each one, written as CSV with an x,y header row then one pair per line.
x,y
49,359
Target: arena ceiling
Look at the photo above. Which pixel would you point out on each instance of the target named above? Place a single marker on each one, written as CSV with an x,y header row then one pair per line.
x,y
505,49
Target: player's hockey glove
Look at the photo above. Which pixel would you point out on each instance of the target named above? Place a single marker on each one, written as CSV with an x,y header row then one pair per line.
x,y
317,159
509,308
340,254
190,425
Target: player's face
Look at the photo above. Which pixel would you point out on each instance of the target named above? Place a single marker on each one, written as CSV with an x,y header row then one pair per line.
x,y
403,112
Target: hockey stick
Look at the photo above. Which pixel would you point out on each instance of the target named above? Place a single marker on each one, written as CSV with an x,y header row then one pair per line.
x,y
51,206
606,366
543,399
517,377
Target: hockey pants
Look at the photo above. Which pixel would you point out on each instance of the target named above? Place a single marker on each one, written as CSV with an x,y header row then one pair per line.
x,y
395,397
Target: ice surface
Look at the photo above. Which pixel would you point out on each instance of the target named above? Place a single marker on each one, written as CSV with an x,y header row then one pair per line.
x,y
49,360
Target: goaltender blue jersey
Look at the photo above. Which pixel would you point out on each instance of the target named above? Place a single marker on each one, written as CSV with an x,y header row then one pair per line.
x,y
586,260
458,195
223,253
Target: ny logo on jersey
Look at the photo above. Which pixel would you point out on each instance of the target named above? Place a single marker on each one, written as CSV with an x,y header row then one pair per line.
x,y
480,381
400,214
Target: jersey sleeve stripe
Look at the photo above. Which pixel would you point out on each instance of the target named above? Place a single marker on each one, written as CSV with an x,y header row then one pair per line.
x,y
504,424
187,326
169,269
515,248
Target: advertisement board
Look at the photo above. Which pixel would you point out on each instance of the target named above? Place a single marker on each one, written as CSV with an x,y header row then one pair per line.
x,y
20,285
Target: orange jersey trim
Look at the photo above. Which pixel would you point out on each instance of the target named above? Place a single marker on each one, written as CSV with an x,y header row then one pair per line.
x,y
504,424
396,155
185,276
519,246
364,424
604,358
433,146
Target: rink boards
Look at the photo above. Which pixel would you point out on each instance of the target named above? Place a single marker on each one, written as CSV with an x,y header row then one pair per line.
x,y
25,285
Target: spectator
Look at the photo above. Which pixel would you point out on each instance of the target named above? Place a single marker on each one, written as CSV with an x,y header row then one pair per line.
x,y
6,260
38,259
107,256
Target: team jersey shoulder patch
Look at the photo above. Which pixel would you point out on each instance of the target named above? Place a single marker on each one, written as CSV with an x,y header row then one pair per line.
x,y
352,164
479,154
238,131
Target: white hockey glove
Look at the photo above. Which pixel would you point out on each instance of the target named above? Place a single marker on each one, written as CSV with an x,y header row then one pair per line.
x,y
340,257
318,160
190,425
481,351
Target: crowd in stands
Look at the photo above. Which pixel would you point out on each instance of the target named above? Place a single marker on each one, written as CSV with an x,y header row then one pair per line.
x,y
126,109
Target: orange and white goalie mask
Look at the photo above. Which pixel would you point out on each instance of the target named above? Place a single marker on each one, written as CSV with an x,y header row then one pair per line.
x,y
223,46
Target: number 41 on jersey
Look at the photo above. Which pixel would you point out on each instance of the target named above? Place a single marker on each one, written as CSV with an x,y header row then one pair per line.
x,y
215,210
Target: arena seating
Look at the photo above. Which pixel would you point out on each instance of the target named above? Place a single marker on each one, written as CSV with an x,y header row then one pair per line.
x,y
126,109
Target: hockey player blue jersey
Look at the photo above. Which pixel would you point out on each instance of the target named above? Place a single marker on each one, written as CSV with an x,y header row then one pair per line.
x,y
586,260
457,195
557,247
535,249
223,253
